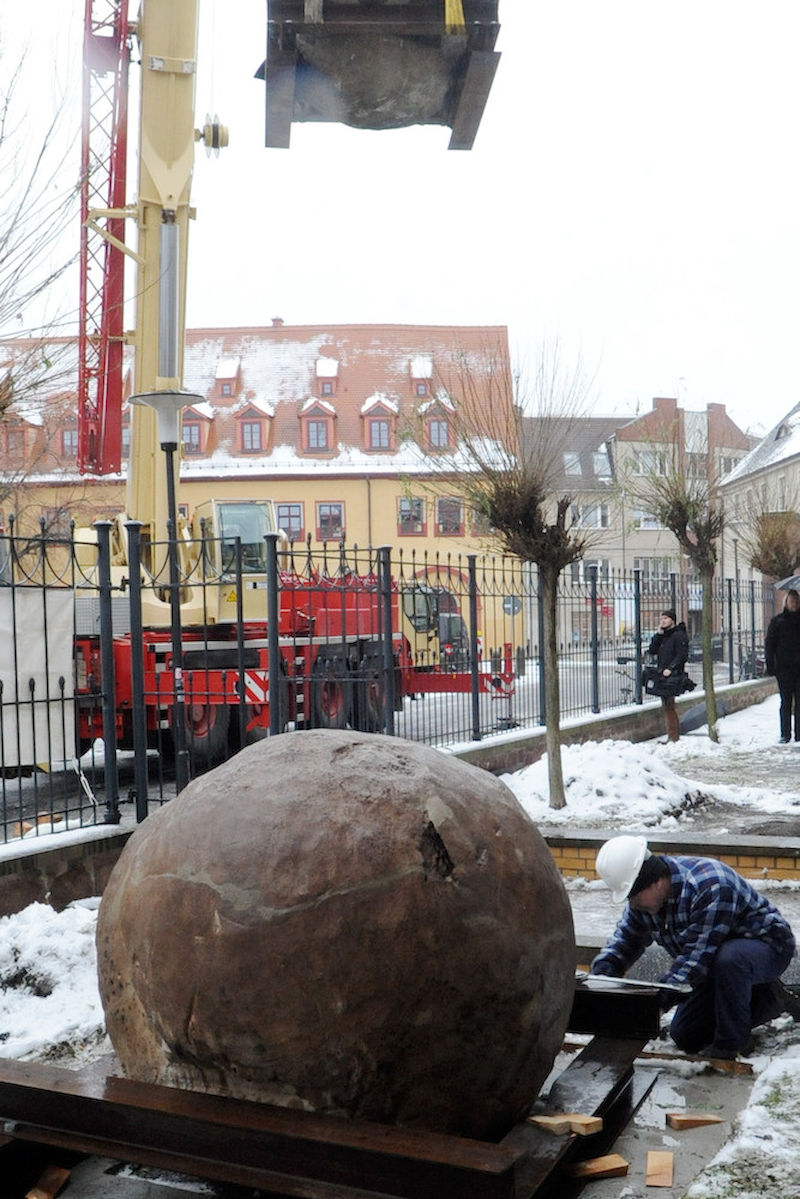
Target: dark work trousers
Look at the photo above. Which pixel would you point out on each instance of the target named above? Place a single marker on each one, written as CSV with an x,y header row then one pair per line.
x,y
789,687
735,997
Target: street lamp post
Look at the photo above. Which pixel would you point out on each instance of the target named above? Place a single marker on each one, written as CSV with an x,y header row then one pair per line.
x,y
168,406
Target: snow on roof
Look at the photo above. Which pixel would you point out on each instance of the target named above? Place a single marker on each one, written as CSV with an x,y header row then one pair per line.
x,y
204,409
327,368
227,368
380,398
315,402
409,460
421,366
780,444
440,400
263,406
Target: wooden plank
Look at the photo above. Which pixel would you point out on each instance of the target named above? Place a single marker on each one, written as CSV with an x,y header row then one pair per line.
x,y
660,1168
561,1122
692,1119
49,1184
610,1165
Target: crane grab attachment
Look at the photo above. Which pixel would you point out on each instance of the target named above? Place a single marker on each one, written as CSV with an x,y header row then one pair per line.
x,y
379,65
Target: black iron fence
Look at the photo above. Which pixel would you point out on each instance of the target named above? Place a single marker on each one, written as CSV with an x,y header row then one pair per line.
x,y
121,679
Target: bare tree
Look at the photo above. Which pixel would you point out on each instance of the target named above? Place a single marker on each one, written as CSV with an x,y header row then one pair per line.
x,y
39,204
511,434
688,505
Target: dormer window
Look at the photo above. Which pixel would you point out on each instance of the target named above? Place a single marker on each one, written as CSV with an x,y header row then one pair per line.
x,y
438,432
421,369
227,377
316,427
69,443
253,424
327,374
379,416
195,429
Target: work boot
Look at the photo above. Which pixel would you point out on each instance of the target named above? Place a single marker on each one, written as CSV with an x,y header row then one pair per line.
x,y
728,1055
788,998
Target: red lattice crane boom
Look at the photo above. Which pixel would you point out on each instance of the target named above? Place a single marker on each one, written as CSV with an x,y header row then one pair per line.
x,y
106,54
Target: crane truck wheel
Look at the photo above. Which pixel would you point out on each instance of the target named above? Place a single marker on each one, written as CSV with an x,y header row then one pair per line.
x,y
371,694
207,727
331,694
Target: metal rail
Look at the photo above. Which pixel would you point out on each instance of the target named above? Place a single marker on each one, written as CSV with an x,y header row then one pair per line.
x,y
301,1155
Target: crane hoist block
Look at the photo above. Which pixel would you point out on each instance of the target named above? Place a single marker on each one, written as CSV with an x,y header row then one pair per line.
x,y
377,65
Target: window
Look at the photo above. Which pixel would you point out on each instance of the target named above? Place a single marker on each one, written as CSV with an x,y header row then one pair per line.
x,y
421,389
649,462
192,437
326,388
449,517
572,463
727,463
652,568
590,516
330,522
227,389
290,519
15,441
380,433
438,433
317,434
601,465
126,441
410,516
251,436
57,522
696,465
481,525
581,572
69,443
645,520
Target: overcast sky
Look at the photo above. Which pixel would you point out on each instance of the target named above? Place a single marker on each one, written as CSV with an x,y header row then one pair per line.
x,y
634,191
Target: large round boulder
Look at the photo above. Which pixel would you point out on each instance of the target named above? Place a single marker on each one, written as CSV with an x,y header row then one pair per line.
x,y
343,922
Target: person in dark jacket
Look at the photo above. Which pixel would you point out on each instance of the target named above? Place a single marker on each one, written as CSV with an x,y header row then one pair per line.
x,y
670,645
782,654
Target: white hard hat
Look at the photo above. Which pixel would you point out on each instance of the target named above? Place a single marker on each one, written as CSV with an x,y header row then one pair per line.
x,y
619,861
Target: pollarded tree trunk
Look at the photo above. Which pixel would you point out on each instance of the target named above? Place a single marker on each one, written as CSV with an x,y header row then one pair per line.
x,y
548,577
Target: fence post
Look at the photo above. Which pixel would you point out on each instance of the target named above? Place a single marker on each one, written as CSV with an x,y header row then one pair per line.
x,y
752,588
730,629
595,646
111,780
139,714
474,664
273,634
637,629
385,584
241,707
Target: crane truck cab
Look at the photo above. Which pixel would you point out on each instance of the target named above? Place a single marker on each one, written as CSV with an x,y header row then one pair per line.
x,y
218,527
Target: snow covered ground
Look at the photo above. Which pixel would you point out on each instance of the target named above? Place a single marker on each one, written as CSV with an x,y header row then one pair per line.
x,y
50,1008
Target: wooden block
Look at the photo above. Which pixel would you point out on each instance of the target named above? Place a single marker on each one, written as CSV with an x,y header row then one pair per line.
x,y
561,1122
558,1125
692,1119
49,1184
611,1165
660,1167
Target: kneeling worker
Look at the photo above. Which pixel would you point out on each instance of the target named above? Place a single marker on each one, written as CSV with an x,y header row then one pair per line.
x,y
726,940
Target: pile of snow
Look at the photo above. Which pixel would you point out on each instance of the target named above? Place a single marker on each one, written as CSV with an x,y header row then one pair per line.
x,y
616,784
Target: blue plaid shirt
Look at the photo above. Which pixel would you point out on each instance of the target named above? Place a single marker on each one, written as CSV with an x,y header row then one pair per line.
x,y
708,903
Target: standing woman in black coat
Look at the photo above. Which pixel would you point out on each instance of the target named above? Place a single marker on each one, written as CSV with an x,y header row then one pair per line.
x,y
782,654
671,647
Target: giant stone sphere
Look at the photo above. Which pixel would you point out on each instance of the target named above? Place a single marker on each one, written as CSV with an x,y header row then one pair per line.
x,y
343,922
